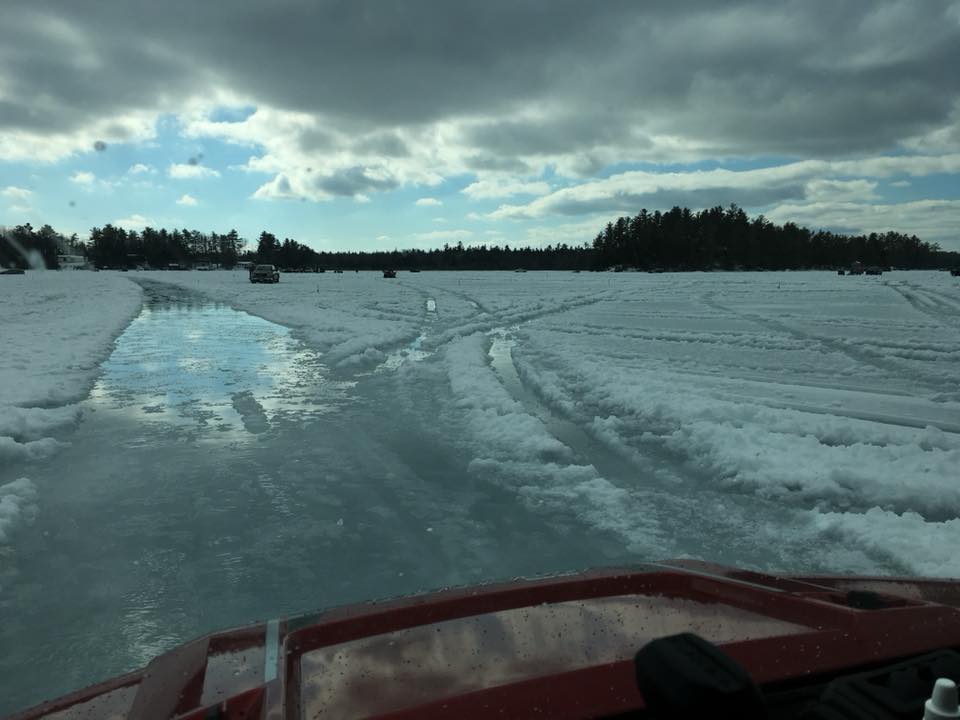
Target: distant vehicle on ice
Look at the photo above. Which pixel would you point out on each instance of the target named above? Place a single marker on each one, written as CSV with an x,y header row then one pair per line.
x,y
389,273
264,274
72,262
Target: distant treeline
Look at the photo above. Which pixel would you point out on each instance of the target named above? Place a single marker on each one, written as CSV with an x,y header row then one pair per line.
x,y
458,257
290,254
24,247
114,247
712,239
111,246
727,239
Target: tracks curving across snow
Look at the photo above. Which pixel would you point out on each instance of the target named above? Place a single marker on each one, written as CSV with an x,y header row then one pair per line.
x,y
449,428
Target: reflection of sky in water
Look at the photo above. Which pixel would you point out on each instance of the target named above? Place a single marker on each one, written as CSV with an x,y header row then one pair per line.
x,y
210,368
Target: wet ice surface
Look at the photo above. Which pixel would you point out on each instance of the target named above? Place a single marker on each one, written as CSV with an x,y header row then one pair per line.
x,y
450,428
220,476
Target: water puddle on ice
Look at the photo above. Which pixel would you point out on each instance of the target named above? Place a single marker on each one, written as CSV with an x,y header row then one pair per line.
x,y
413,352
163,514
187,365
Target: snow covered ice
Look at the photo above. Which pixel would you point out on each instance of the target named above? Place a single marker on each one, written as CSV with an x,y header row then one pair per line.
x,y
247,451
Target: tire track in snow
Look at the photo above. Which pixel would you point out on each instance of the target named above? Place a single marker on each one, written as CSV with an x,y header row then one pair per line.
x,y
414,349
476,304
858,355
608,463
521,317
680,506
432,339
605,510
939,307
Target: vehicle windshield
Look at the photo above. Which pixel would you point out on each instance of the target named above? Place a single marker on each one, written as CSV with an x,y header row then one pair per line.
x,y
311,304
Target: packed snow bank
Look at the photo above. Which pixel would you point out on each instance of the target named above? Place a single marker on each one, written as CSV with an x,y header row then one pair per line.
x,y
515,450
55,329
924,548
32,423
830,397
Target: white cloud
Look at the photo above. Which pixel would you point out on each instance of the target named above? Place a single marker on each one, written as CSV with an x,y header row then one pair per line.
x,y
183,171
840,190
16,193
133,222
186,199
802,180
730,81
439,219
504,187
900,183
81,177
574,233
931,220
313,157
444,235
361,198
383,238
38,146
277,189
428,202
23,209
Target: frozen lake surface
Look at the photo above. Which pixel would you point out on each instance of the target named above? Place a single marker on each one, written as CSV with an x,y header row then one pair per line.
x,y
257,451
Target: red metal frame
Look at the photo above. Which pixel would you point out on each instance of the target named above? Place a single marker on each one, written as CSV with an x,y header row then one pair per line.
x,y
920,616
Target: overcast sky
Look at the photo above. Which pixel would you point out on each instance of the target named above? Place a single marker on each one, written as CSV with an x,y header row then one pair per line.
x,y
399,124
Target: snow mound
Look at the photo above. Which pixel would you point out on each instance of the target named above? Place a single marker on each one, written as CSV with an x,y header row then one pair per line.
x,y
514,449
919,546
18,505
11,450
25,424
55,328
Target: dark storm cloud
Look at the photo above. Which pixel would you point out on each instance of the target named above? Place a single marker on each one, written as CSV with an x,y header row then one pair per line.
x,y
812,78
496,163
353,181
552,136
311,140
387,144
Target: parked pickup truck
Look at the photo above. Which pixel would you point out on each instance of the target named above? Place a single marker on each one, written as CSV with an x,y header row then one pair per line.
x,y
264,274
